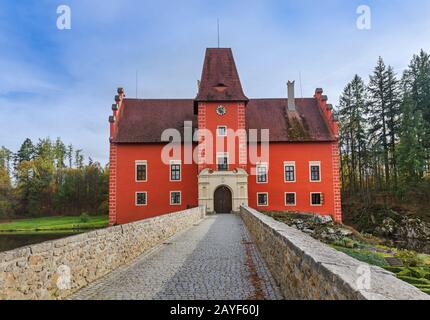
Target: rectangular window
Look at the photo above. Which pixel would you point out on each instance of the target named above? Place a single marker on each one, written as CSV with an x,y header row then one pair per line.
x,y
175,171
290,198
222,131
175,198
222,161
262,173
315,171
262,199
316,199
141,198
290,171
141,171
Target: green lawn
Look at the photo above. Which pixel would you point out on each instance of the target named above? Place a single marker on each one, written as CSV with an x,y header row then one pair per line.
x,y
50,224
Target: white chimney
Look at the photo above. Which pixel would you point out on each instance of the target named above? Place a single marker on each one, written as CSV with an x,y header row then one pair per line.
x,y
291,98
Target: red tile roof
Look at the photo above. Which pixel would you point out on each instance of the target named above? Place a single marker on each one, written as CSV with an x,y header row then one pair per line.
x,y
306,124
143,121
220,80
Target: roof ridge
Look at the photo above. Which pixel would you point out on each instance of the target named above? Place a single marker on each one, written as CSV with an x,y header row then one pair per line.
x,y
160,99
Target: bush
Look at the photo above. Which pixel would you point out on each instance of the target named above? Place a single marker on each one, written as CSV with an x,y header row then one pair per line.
x,y
103,209
414,281
395,269
409,258
84,217
426,291
365,256
347,243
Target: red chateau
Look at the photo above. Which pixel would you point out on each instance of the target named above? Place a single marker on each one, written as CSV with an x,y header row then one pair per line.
x,y
300,175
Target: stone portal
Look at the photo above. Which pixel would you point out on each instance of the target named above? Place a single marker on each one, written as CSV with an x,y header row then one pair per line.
x,y
235,181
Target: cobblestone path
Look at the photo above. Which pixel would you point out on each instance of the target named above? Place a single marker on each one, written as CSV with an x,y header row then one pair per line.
x,y
214,260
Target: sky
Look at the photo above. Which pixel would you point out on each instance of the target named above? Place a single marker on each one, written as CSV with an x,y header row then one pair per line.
x,y
61,83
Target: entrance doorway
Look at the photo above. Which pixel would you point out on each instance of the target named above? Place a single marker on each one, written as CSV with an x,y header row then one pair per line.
x,y
223,200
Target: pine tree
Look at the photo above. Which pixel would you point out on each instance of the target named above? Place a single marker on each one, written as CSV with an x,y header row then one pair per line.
x,y
352,130
416,80
393,114
378,110
26,152
411,155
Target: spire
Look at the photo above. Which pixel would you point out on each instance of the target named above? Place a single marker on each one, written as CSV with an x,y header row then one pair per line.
x,y
220,80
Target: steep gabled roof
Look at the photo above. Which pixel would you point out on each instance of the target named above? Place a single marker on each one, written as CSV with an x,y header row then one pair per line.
x,y
306,124
220,80
143,121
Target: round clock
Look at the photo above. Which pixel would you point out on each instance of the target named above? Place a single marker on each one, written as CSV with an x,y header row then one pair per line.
x,y
221,110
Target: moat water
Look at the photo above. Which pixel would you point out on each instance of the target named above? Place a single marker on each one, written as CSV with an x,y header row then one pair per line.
x,y
14,241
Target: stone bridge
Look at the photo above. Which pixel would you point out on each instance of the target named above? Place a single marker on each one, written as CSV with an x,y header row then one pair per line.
x,y
188,255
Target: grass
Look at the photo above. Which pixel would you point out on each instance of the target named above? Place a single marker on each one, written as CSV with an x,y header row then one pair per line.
x,y
53,224
364,256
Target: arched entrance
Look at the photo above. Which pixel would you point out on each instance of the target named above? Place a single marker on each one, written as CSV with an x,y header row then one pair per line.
x,y
223,200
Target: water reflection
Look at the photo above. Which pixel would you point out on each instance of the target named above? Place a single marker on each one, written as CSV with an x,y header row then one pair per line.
x,y
14,241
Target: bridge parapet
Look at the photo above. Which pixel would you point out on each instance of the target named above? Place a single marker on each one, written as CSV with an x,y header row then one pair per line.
x,y
305,268
56,269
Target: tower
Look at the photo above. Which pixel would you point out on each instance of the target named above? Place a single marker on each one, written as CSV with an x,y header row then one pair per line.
x,y
221,108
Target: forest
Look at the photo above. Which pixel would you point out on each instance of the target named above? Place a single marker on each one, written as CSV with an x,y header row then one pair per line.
x,y
385,141
48,178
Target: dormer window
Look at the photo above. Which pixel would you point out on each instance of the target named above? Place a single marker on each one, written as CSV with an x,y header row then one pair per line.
x,y
220,87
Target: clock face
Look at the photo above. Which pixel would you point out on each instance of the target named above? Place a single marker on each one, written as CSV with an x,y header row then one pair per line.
x,y
221,110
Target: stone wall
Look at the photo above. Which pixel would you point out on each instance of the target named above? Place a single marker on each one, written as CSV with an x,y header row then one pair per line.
x,y
305,268
43,271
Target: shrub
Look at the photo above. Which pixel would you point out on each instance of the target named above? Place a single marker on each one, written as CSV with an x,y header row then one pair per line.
x,y
409,258
395,269
84,217
365,256
103,209
414,281
347,243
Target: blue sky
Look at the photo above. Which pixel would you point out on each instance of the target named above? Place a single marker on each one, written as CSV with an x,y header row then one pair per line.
x,y
62,83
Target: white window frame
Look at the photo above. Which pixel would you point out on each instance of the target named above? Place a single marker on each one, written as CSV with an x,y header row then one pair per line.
x,y
180,198
218,133
146,198
314,164
137,163
262,165
295,199
175,162
321,197
267,197
222,155
290,164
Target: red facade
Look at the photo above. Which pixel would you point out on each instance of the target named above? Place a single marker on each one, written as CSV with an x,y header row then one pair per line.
x,y
300,172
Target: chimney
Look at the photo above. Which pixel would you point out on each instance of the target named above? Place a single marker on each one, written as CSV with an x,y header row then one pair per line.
x,y
291,98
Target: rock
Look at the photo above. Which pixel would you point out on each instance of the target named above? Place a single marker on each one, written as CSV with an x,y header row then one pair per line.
x,y
331,231
387,228
345,232
308,231
394,262
322,219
